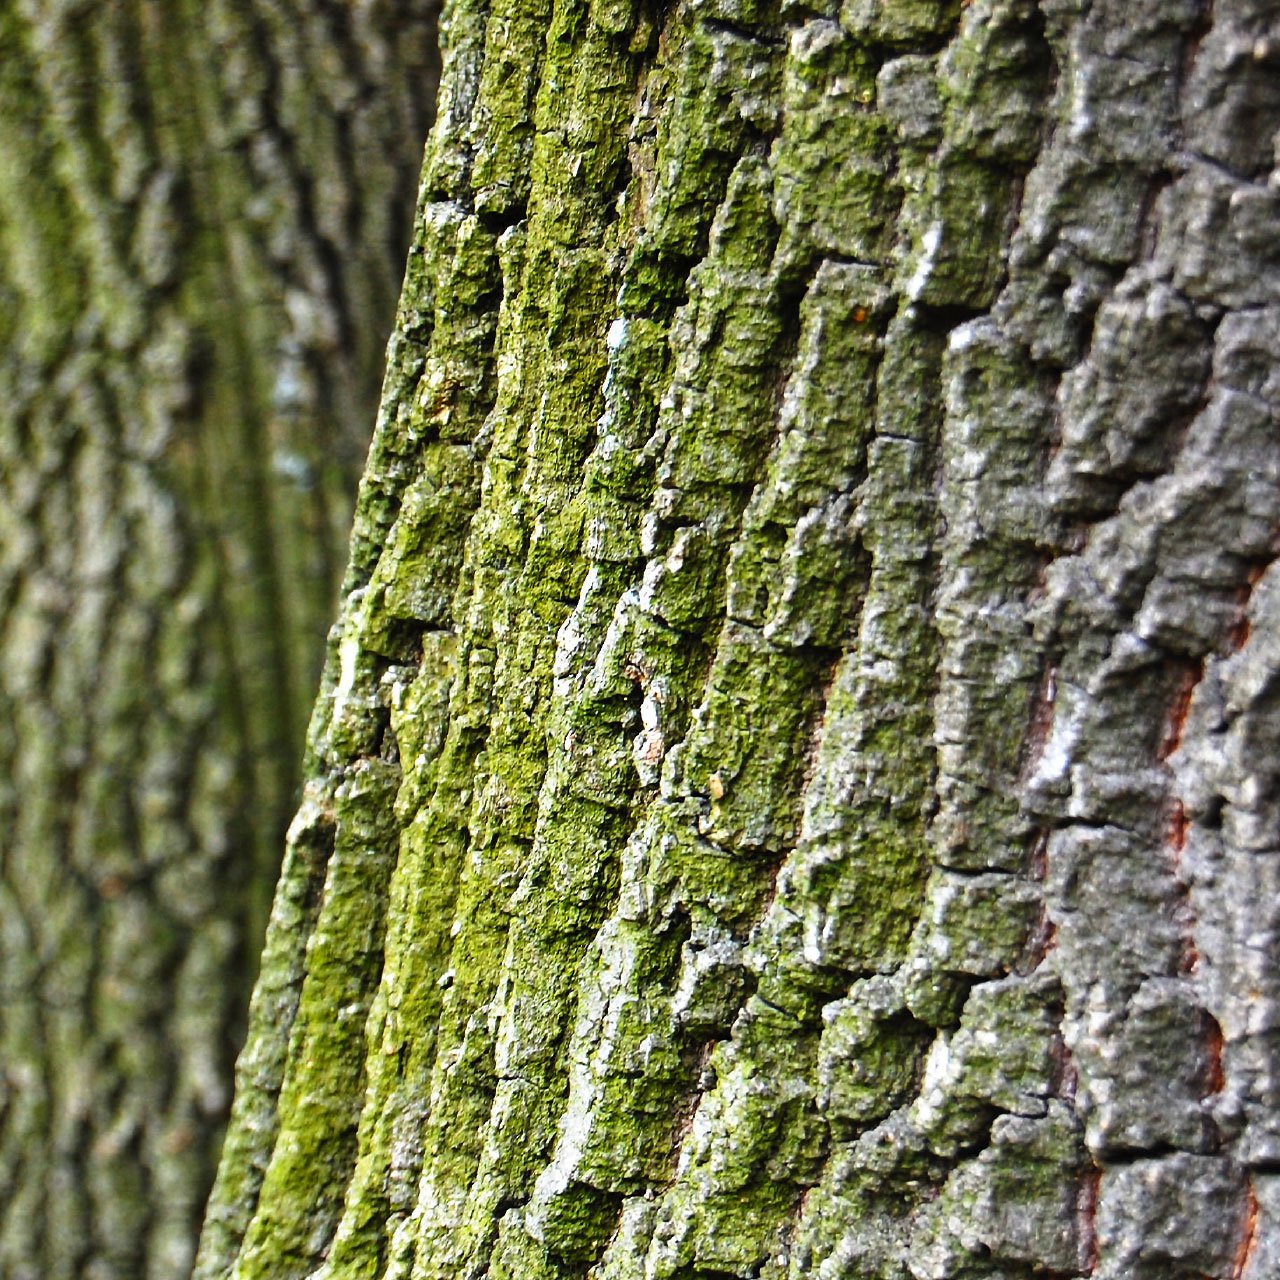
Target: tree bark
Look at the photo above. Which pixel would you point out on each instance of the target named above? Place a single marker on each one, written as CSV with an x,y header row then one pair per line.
x,y
203,215
794,789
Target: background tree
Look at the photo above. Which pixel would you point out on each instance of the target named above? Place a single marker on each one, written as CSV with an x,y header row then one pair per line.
x,y
794,790
203,214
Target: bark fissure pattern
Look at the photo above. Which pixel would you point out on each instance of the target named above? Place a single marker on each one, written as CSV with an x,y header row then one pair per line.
x,y
810,605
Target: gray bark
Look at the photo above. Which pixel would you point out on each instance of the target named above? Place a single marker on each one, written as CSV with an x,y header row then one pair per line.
x,y
795,788
203,215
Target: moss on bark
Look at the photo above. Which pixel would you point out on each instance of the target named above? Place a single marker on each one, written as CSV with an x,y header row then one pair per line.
x,y
781,880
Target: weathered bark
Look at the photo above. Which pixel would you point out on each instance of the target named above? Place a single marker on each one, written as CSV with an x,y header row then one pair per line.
x,y
794,790
204,209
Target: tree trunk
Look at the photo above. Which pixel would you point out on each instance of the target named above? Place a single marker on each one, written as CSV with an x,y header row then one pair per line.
x,y
203,215
794,791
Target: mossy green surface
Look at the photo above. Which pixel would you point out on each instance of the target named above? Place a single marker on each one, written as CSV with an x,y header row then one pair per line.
x,y
717,937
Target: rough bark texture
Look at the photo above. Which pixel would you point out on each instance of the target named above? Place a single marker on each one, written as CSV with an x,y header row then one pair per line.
x,y
795,788
204,209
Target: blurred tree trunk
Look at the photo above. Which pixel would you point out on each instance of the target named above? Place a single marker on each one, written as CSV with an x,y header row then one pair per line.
x,y
204,210
794,792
